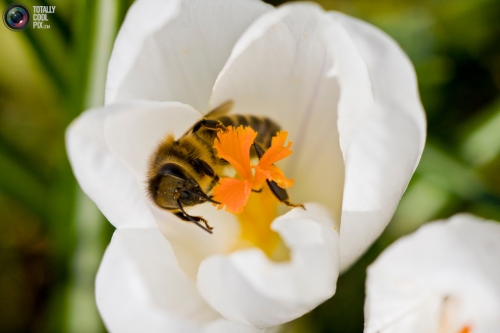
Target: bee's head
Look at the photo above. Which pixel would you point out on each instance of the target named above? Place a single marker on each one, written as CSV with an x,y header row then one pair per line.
x,y
173,183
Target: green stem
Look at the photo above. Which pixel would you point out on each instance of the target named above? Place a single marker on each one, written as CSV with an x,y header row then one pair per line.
x,y
82,315
82,312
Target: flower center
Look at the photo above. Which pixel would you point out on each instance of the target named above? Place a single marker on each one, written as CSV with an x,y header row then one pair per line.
x,y
255,221
248,195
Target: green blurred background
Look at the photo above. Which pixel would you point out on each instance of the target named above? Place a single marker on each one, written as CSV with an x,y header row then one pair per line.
x,y
52,237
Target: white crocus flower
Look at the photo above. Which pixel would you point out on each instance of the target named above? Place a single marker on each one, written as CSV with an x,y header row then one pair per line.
x,y
343,90
444,278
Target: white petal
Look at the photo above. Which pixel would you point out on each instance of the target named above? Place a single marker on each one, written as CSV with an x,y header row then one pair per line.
x,y
444,274
356,98
225,326
140,287
109,150
281,68
173,50
387,145
191,244
247,287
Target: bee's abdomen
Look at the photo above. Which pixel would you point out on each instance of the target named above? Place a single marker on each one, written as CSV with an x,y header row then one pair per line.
x,y
265,127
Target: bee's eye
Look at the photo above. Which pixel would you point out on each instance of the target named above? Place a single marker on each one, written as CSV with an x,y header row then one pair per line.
x,y
157,186
184,195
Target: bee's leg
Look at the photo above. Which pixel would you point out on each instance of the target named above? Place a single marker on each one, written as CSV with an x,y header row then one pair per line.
x,y
195,219
206,169
186,219
211,124
280,193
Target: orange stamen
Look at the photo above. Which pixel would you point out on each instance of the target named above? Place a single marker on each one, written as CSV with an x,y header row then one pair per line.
x,y
277,151
234,146
233,193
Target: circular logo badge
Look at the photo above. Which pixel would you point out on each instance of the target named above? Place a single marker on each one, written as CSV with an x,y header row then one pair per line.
x,y
16,17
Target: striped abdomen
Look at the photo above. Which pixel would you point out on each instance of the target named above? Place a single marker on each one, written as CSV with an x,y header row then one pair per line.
x,y
265,128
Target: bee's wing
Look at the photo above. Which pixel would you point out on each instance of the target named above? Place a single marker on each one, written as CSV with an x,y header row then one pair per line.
x,y
220,110
216,113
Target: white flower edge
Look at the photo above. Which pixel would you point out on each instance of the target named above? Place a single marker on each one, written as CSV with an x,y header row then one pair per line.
x,y
173,50
249,288
443,277
385,150
132,36
141,288
226,326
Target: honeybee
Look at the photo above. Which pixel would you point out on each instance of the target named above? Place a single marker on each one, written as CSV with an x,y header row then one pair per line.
x,y
183,172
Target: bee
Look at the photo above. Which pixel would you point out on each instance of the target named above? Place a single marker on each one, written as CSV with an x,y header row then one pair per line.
x,y
183,172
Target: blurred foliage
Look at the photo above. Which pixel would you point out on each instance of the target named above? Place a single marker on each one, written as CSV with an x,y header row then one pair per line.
x,y
49,246
50,243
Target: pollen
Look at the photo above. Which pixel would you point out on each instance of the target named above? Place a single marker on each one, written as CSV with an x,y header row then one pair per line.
x,y
234,147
